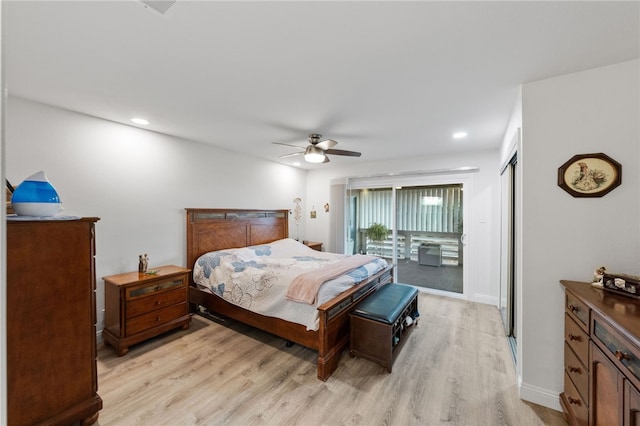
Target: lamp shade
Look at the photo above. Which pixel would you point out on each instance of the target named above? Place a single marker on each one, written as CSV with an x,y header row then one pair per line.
x,y
36,197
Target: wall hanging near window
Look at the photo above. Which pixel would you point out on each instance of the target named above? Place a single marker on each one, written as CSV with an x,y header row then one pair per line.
x,y
590,175
297,215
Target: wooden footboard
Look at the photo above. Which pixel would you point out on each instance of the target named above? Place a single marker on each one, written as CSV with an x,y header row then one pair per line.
x,y
219,229
333,333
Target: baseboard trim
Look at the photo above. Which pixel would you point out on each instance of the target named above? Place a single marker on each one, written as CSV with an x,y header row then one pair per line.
x,y
540,396
485,299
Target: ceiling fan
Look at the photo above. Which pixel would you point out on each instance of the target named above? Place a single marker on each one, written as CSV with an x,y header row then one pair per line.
x,y
317,150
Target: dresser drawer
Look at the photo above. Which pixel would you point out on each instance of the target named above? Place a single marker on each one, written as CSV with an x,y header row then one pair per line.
x,y
153,287
576,338
155,318
576,370
577,405
155,301
618,348
578,310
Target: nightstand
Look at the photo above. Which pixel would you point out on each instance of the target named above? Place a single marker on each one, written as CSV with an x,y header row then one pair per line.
x,y
139,306
313,245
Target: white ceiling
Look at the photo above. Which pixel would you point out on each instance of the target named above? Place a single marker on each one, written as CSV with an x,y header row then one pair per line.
x,y
390,79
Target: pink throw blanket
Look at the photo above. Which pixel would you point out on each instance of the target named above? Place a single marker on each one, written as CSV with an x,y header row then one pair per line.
x,y
304,288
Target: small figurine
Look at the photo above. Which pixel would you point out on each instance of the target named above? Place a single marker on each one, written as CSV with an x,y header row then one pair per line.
x,y
143,263
598,275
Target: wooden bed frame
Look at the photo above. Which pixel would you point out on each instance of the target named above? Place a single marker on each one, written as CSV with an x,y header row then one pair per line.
x,y
219,229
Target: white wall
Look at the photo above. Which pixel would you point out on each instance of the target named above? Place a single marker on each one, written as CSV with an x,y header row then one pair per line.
x,y
138,182
482,231
565,237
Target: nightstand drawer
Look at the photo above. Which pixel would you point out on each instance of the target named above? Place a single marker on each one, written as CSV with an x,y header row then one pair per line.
x,y
154,287
152,319
576,338
577,372
156,301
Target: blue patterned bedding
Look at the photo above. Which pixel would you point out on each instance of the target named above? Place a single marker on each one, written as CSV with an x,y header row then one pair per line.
x,y
256,278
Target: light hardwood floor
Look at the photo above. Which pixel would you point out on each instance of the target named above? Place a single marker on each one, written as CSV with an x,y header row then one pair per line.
x,y
455,369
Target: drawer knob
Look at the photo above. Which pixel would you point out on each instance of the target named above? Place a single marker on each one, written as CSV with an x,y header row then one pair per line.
x,y
574,337
622,356
573,369
573,401
574,309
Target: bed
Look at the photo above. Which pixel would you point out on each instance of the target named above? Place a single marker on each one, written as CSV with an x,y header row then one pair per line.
x,y
211,230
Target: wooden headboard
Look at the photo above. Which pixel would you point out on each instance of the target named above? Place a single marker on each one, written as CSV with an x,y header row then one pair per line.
x,y
219,229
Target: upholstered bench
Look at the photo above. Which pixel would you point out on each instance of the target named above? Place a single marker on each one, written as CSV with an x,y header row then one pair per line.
x,y
381,323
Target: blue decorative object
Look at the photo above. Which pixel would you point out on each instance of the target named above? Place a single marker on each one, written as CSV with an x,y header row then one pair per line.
x,y
36,197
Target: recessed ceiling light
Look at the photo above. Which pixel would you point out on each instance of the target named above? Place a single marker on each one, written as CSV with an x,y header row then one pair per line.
x,y
141,121
459,135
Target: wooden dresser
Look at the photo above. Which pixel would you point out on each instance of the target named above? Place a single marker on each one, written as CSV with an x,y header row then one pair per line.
x,y
139,306
51,315
601,356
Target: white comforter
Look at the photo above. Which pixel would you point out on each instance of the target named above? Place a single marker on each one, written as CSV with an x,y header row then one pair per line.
x,y
256,278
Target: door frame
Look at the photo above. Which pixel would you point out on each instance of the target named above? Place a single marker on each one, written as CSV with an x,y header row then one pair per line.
x,y
508,246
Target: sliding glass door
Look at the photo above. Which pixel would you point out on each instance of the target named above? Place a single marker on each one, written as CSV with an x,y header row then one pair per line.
x,y
425,228
429,236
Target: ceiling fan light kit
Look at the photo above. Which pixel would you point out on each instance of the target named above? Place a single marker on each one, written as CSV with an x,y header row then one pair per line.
x,y
314,154
316,151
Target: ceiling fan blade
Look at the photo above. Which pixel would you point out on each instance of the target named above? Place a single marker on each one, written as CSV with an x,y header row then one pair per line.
x,y
326,144
293,154
326,159
342,152
288,144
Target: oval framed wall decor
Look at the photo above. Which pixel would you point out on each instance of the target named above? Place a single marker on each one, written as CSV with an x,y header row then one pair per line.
x,y
590,175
